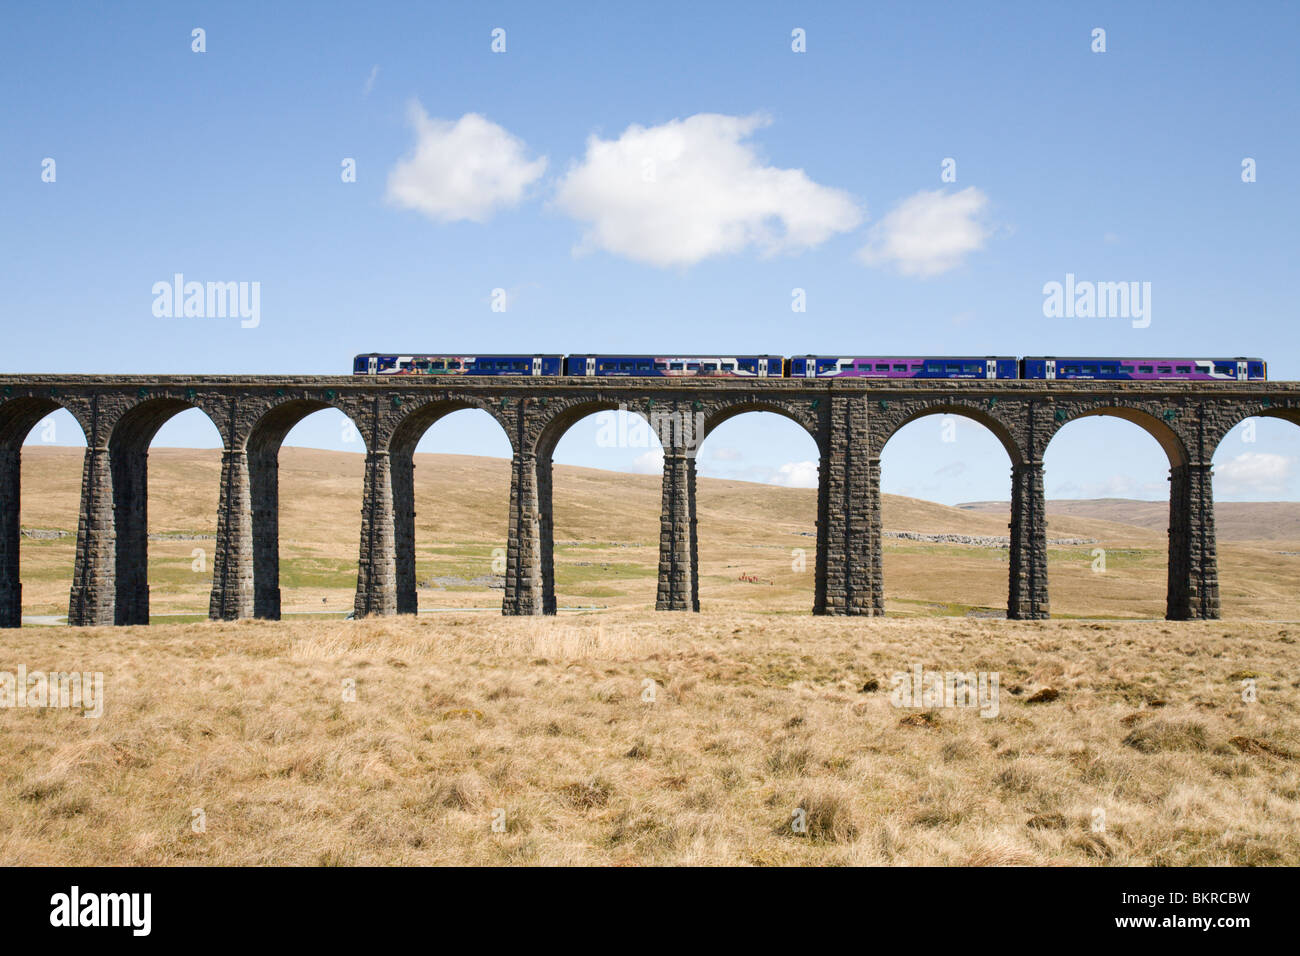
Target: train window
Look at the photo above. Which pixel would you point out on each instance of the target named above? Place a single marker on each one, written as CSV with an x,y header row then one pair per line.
x,y
882,366
692,366
605,366
643,366
661,366
900,368
728,366
1126,369
1184,369
679,367
454,364
522,367
971,369
1146,369
1165,369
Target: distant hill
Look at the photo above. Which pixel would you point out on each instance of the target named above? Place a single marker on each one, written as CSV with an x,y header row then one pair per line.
x,y
1234,520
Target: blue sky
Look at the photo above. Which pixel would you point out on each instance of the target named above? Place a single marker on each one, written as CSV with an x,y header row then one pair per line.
x,y
818,171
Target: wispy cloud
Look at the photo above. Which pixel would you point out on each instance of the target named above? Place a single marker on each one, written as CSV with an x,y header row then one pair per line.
x,y
929,233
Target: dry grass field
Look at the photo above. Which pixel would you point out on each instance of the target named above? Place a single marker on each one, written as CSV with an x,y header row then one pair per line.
x,y
545,726
613,735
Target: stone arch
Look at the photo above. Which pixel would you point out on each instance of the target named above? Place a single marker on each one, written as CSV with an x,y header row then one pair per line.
x,y
802,568
1192,588
805,416
18,416
129,438
1155,422
252,499
888,421
546,422
1221,421
406,434
1027,585
551,421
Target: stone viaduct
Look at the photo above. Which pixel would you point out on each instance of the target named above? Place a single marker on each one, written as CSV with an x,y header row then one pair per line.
x,y
850,420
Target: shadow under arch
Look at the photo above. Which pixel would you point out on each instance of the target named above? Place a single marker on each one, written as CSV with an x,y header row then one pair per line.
x,y
1019,580
18,417
406,436
548,440
262,448
1189,578
789,566
128,456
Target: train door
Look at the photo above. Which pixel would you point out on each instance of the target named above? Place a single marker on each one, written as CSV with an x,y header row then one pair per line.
x,y
537,365
1049,368
990,368
1242,371
591,365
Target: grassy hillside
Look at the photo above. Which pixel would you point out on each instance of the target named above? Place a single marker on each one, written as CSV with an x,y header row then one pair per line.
x,y
757,542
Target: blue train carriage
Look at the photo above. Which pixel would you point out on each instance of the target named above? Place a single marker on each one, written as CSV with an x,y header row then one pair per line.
x,y
1107,368
655,366
903,366
377,363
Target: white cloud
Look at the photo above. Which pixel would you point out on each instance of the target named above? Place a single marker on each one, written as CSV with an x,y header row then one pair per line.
x,y
1254,473
465,169
370,80
725,454
679,193
929,233
796,474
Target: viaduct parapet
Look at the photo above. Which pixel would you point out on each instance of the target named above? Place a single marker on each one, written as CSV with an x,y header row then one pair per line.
x,y
849,420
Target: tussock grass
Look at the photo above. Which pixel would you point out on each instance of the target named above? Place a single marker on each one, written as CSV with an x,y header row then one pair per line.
x,y
484,740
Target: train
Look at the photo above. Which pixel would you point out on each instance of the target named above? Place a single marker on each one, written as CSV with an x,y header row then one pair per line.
x,y
1042,367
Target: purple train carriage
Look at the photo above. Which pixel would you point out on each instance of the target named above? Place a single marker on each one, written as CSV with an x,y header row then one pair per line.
x,y
896,366
1144,369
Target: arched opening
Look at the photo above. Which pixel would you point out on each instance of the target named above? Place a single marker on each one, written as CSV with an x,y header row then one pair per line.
x,y
756,504
1107,478
1257,518
451,525
173,576
306,470
945,512
600,479
42,446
